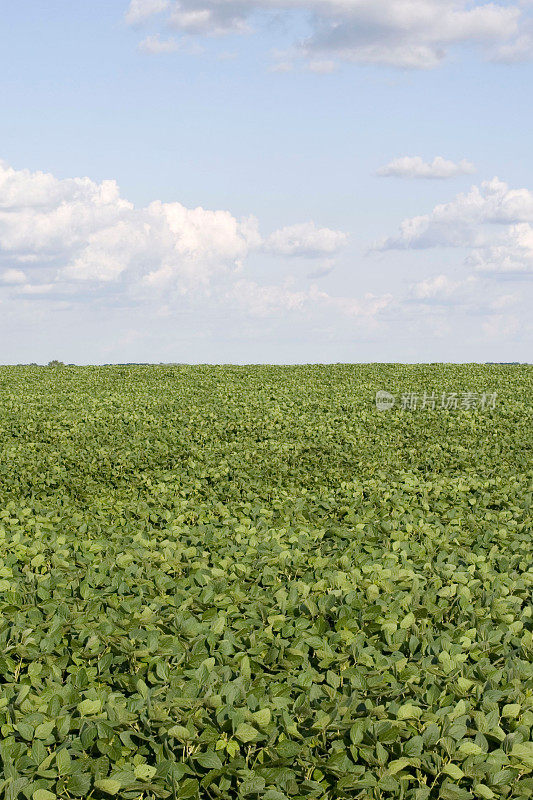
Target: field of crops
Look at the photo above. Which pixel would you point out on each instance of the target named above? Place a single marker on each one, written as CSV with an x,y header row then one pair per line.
x,y
247,582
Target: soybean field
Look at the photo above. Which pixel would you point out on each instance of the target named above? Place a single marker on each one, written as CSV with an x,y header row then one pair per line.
x,y
249,582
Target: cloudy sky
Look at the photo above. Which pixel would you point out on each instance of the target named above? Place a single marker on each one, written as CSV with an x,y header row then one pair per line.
x,y
266,180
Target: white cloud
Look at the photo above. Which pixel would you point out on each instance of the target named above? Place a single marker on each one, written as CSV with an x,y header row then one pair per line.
x,y
305,239
451,302
37,288
12,277
320,272
519,48
401,33
470,220
322,66
20,189
512,256
503,301
141,10
76,236
474,295
88,232
416,167
439,288
266,300
155,45
80,245
492,222
501,326
370,305
211,18
282,66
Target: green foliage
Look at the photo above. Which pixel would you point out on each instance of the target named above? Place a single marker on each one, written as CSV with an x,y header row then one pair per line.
x,y
246,582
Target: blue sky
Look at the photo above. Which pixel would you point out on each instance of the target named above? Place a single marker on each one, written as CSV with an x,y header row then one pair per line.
x,y
241,218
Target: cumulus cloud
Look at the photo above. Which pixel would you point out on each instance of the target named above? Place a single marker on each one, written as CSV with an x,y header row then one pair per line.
x,y
320,272
88,232
503,301
416,167
321,67
211,18
492,221
266,300
461,222
443,290
37,288
401,33
500,326
12,277
155,45
141,10
76,236
445,302
438,288
513,255
306,239
518,48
